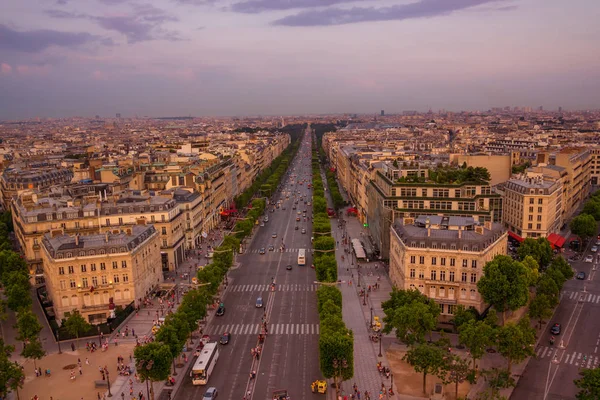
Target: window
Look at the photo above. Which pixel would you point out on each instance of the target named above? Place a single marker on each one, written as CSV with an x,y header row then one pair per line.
x,y
433,275
162,218
83,268
71,269
540,201
465,263
540,209
433,260
531,200
453,262
442,260
152,219
72,284
123,264
530,218
94,281
463,293
92,267
76,224
103,279
451,276
125,278
451,292
164,243
61,270
442,275
107,221
115,265
163,230
84,282
102,267
412,273
473,294
442,291
473,263
421,259
451,309
116,278
63,285
529,226
442,308
473,278
463,277
539,226
530,209
421,274
412,259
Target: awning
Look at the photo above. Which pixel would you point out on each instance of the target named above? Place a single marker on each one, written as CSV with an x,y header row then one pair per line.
x,y
358,249
515,236
556,240
224,214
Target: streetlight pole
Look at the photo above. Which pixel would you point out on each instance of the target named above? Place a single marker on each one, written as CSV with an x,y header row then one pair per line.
x,y
99,341
107,381
365,298
380,355
190,275
371,320
58,341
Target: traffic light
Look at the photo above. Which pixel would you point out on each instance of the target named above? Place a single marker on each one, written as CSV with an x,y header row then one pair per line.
x,y
366,225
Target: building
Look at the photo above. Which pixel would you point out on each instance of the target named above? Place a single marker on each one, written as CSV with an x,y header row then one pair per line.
x,y
498,165
15,180
533,205
443,258
97,273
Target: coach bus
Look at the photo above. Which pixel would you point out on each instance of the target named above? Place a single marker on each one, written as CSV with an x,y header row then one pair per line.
x,y
301,257
205,364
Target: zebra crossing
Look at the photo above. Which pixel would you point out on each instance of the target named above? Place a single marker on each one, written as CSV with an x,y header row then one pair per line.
x,y
576,359
255,329
256,251
278,288
581,296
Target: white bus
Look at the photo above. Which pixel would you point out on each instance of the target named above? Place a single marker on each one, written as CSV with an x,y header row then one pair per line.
x,y
205,364
301,257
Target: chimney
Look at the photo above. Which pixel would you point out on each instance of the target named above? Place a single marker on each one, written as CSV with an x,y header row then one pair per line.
x,y
488,225
106,236
76,240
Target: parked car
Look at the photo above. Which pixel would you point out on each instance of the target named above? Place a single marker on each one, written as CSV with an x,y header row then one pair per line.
x,y
271,248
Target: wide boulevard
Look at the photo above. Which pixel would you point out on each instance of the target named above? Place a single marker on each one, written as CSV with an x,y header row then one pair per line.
x,y
550,375
289,359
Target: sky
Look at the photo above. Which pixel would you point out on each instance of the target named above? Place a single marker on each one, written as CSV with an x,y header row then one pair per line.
x,y
64,58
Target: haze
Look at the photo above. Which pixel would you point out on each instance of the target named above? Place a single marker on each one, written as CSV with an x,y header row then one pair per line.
x,y
61,58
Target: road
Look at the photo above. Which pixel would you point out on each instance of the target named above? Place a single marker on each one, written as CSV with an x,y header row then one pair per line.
x,y
550,375
289,359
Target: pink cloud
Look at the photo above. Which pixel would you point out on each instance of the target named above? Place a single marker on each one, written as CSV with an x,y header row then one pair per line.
x,y
5,69
99,75
33,70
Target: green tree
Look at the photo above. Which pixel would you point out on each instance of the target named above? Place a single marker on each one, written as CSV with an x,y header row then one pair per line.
x,y
324,243
456,371
516,341
167,334
11,375
563,266
76,324
27,326
588,384
592,207
540,249
584,225
33,350
497,379
412,322
319,204
548,287
428,359
532,268
476,336
336,345
153,363
325,293
554,274
326,268
540,308
504,284
462,315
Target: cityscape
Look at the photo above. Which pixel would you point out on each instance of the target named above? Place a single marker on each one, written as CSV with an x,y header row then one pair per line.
x,y
299,200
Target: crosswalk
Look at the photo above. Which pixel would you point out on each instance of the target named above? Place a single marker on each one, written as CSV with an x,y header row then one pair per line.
x,y
255,329
575,358
288,250
581,296
278,288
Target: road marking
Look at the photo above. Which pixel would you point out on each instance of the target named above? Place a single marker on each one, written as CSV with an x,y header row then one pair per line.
x,y
573,294
544,352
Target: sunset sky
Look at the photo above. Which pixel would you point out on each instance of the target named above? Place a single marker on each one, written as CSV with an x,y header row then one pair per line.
x,y
61,58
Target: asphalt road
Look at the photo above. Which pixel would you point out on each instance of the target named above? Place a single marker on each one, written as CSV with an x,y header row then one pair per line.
x,y
550,375
289,359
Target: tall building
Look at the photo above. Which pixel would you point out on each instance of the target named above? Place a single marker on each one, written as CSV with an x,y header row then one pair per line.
x,y
118,115
97,273
382,113
443,258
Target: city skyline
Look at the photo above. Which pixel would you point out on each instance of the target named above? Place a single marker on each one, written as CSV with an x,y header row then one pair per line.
x,y
209,57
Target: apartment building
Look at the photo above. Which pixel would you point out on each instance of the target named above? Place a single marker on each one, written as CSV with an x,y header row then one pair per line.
x,y
41,177
97,273
443,258
407,191
533,205
595,165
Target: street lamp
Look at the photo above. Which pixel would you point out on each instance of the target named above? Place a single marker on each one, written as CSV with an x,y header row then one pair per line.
x,y
365,298
380,355
58,341
107,381
99,341
190,276
371,320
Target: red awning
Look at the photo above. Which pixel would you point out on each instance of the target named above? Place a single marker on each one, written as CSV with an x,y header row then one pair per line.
x,y
515,236
556,240
224,214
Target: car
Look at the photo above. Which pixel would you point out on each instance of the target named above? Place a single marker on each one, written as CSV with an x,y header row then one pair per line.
x,y
266,219
594,249
303,230
261,251
308,204
580,275
293,208
589,258
210,394
225,338
220,311
289,267
297,219
296,228
299,212
555,330
262,224
259,302
271,248
274,235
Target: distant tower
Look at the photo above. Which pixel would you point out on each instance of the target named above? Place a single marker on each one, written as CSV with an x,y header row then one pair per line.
x,y
559,109
382,113
118,115
282,122
97,117
541,108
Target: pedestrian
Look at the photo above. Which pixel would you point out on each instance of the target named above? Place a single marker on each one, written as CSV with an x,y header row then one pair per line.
x,y
123,395
87,361
99,397
80,371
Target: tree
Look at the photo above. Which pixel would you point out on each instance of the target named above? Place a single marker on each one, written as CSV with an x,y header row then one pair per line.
x,y
592,207
11,374
428,359
324,243
540,308
497,379
548,287
584,225
588,384
476,336
76,324
516,341
319,204
34,350
540,249
168,335
326,268
336,345
532,268
563,266
456,371
412,322
504,284
28,326
153,363
462,315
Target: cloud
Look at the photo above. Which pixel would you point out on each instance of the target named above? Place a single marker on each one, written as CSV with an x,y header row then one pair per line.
x,y
63,14
38,40
61,2
5,69
419,9
113,2
257,6
99,76
33,70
